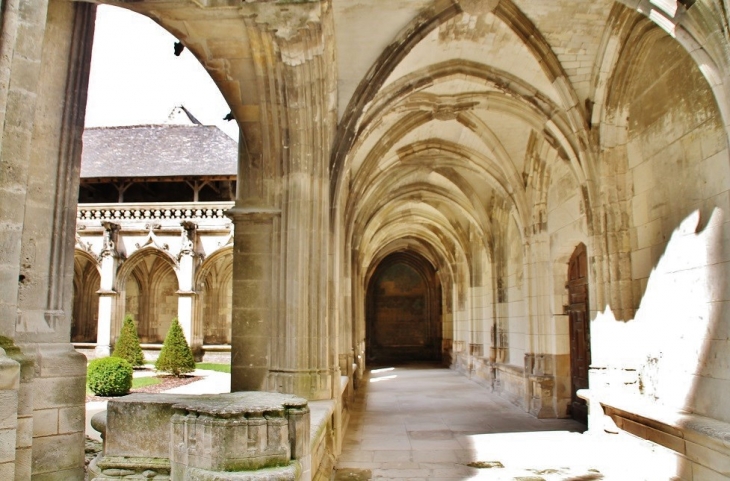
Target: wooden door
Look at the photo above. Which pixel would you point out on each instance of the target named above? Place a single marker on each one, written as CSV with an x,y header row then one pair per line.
x,y
580,337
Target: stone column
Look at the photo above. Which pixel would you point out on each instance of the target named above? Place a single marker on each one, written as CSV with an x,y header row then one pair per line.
x,y
281,333
45,121
186,279
253,299
107,290
107,301
18,98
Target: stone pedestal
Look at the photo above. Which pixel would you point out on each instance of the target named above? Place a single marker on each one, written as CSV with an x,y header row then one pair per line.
x,y
239,432
245,435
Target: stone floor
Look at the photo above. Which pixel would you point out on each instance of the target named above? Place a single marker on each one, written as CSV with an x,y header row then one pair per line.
x,y
424,422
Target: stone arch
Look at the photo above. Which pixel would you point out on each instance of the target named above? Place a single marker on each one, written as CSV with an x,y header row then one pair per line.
x,y
213,59
537,111
426,231
403,310
350,126
701,31
690,104
86,283
150,274
452,161
213,282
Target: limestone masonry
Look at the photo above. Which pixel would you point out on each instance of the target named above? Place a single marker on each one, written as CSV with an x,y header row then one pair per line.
x,y
533,193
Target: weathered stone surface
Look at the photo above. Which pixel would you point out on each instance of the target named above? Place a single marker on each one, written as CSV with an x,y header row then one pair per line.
x,y
7,445
489,138
245,431
140,424
54,454
166,434
45,422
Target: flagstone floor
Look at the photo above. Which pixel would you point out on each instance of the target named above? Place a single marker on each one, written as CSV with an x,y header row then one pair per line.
x,y
424,422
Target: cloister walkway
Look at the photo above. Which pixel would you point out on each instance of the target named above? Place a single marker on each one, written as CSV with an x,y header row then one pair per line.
x,y
424,422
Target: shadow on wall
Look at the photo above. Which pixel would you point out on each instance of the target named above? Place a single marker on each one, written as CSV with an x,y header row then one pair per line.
x,y
678,341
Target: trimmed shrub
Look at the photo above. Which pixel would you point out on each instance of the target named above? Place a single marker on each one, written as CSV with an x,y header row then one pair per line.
x,y
175,356
109,376
127,346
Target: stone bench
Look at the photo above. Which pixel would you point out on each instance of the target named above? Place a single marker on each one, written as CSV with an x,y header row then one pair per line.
x,y
703,443
236,436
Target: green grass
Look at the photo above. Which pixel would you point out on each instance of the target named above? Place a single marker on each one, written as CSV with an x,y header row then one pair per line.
x,y
145,381
209,366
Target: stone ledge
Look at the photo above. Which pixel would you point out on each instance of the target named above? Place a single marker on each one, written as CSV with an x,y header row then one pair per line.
x,y
510,368
702,440
224,405
161,465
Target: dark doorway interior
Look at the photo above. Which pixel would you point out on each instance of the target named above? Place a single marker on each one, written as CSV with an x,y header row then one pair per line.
x,y
580,336
403,311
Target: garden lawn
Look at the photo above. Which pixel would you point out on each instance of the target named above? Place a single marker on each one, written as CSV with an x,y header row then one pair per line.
x,y
209,366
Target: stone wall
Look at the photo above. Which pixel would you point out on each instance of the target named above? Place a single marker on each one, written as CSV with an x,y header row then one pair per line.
x,y
677,180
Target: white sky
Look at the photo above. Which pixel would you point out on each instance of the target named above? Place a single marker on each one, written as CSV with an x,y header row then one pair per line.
x,y
136,79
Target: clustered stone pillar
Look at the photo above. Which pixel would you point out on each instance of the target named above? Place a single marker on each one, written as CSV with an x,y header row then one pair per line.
x,y
281,335
45,51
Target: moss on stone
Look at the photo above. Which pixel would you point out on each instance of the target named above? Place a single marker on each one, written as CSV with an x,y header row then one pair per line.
x,y
9,346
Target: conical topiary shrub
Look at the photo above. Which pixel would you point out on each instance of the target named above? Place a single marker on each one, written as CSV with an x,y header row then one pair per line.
x,y
175,356
127,346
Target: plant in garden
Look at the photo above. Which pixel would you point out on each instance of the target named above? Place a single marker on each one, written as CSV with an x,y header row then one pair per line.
x,y
175,356
109,376
127,346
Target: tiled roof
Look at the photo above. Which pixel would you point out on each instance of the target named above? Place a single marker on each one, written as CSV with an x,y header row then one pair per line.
x,y
157,151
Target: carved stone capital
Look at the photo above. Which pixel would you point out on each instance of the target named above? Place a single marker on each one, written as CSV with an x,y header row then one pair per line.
x,y
285,18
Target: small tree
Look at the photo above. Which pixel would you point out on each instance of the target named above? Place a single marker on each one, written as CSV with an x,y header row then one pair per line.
x,y
127,346
175,356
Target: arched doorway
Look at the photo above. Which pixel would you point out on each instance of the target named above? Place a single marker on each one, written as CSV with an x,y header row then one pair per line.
x,y
215,289
150,296
403,311
85,298
579,327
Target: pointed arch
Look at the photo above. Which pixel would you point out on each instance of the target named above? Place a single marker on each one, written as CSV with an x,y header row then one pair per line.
x,y
213,282
403,310
148,280
85,311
